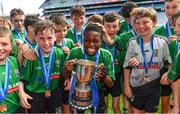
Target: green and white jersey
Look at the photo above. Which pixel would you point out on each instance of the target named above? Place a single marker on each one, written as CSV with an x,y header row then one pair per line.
x,y
175,71
161,30
123,40
123,27
70,35
33,76
68,43
161,54
115,54
105,57
12,99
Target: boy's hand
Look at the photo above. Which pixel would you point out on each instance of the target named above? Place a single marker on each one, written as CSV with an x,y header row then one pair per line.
x,y
102,72
67,84
133,62
128,91
66,50
171,38
78,44
24,100
164,79
28,53
69,64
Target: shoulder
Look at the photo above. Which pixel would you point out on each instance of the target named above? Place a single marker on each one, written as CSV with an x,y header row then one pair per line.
x,y
160,38
13,60
104,52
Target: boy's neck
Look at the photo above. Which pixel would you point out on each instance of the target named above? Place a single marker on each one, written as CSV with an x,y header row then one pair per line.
x,y
59,41
146,39
30,38
2,62
78,29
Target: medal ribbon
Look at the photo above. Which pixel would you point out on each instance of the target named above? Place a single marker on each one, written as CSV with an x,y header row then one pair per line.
x,y
168,29
18,35
4,91
63,42
146,64
29,43
127,26
46,74
93,84
113,51
81,37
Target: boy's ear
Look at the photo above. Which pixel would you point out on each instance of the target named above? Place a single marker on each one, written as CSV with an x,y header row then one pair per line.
x,y
154,23
30,28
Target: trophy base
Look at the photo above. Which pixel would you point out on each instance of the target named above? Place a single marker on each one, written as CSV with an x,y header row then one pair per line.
x,y
81,103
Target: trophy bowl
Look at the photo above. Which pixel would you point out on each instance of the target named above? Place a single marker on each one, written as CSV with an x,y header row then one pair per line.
x,y
85,70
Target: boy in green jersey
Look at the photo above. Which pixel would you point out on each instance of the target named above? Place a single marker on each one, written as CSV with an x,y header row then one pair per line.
x,y
111,25
17,18
66,45
126,9
39,84
166,30
175,71
92,51
28,24
9,75
78,16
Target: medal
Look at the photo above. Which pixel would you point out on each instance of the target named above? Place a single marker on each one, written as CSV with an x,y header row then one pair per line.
x,y
3,108
46,72
146,79
47,93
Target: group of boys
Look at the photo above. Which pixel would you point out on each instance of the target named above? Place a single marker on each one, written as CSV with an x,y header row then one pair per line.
x,y
133,57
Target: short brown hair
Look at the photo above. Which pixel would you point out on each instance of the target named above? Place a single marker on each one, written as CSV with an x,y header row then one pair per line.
x,y
96,18
144,12
175,17
59,20
42,25
4,21
4,31
15,12
111,17
77,10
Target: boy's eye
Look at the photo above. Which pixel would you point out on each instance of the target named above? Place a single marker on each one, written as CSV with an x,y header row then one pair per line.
x,y
5,44
19,20
49,38
41,38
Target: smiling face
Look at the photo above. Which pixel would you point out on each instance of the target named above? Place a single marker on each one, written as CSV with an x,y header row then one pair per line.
x,y
171,8
92,42
45,40
5,47
144,26
112,28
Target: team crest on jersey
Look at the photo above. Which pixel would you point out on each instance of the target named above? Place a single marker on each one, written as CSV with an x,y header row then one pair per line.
x,y
155,52
57,63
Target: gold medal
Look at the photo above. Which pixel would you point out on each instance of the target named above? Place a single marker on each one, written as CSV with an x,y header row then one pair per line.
x,y
146,79
3,108
47,93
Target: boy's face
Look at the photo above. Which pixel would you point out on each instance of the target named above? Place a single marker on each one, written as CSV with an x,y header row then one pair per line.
x,y
144,26
5,47
78,20
60,31
177,28
112,28
171,8
18,22
92,42
45,40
